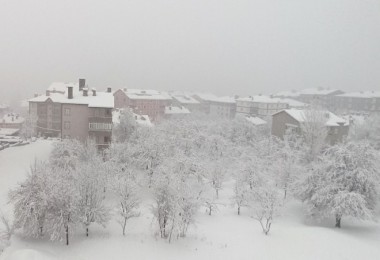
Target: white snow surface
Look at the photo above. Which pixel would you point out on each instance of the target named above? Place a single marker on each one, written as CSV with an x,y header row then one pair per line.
x,y
224,235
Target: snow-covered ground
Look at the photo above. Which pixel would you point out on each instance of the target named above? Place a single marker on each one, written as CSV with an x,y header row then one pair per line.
x,y
224,235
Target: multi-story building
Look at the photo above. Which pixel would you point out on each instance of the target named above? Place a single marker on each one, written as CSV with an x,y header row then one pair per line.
x,y
143,102
323,97
187,101
292,120
78,114
4,109
223,107
261,106
205,100
363,102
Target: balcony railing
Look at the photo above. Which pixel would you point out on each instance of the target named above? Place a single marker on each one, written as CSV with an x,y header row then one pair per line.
x,y
97,126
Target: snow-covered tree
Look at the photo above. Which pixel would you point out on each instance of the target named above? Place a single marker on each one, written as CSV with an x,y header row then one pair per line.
x,y
216,177
242,191
265,203
366,129
125,127
314,131
90,182
28,129
30,200
343,183
126,192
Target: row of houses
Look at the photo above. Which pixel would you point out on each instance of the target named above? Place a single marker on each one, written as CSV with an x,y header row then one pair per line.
x,y
360,102
73,110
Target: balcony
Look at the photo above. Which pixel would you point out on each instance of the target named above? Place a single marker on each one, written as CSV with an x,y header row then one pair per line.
x,y
100,126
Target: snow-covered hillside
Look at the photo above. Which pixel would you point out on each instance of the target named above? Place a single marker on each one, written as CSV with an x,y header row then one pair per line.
x,y
224,235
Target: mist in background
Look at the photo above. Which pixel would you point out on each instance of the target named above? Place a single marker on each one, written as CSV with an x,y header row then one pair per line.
x,y
225,47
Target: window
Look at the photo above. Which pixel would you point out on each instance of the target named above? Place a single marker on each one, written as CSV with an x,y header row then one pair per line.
x,y
67,111
67,125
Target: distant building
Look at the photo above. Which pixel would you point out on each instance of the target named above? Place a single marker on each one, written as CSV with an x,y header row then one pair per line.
x,y
78,113
11,124
362,102
292,120
143,102
223,107
261,106
187,101
176,112
323,97
205,100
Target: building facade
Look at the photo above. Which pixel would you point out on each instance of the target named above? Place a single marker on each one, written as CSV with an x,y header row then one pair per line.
x,y
362,102
261,106
291,120
77,114
143,102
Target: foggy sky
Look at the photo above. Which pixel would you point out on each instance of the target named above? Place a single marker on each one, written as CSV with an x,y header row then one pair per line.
x,y
226,47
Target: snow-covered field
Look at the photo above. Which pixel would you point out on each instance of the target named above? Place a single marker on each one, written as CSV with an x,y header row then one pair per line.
x,y
224,235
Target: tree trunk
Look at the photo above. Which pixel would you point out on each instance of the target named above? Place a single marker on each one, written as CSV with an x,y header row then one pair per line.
x,y
217,193
86,231
337,221
239,210
67,235
125,223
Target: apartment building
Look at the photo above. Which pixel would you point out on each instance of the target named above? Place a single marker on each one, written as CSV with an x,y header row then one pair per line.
x,y
143,102
223,107
324,97
261,106
292,120
78,113
362,102
205,100
187,101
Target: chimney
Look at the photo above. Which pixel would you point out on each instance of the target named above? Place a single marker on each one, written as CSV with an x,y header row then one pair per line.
x,y
85,92
125,89
82,83
70,92
35,95
94,92
47,92
109,90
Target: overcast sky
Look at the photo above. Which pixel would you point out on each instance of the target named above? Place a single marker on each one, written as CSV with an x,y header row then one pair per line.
x,y
220,46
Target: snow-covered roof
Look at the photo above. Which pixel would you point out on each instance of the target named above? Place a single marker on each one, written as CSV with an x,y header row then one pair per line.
x,y
317,91
185,99
261,99
8,131
143,120
291,93
12,118
301,116
294,103
170,110
205,96
61,86
102,99
225,99
361,94
255,120
161,96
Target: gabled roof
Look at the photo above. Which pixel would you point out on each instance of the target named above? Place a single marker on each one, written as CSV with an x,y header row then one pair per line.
x,y
301,115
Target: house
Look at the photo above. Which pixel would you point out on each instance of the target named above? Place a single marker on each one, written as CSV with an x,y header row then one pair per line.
x,y
143,102
12,121
78,113
223,107
293,119
361,102
3,109
259,105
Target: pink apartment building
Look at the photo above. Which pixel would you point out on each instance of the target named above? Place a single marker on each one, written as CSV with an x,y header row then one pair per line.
x,y
143,102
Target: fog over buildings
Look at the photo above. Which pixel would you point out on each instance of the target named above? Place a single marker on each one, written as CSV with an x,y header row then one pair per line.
x,y
219,46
